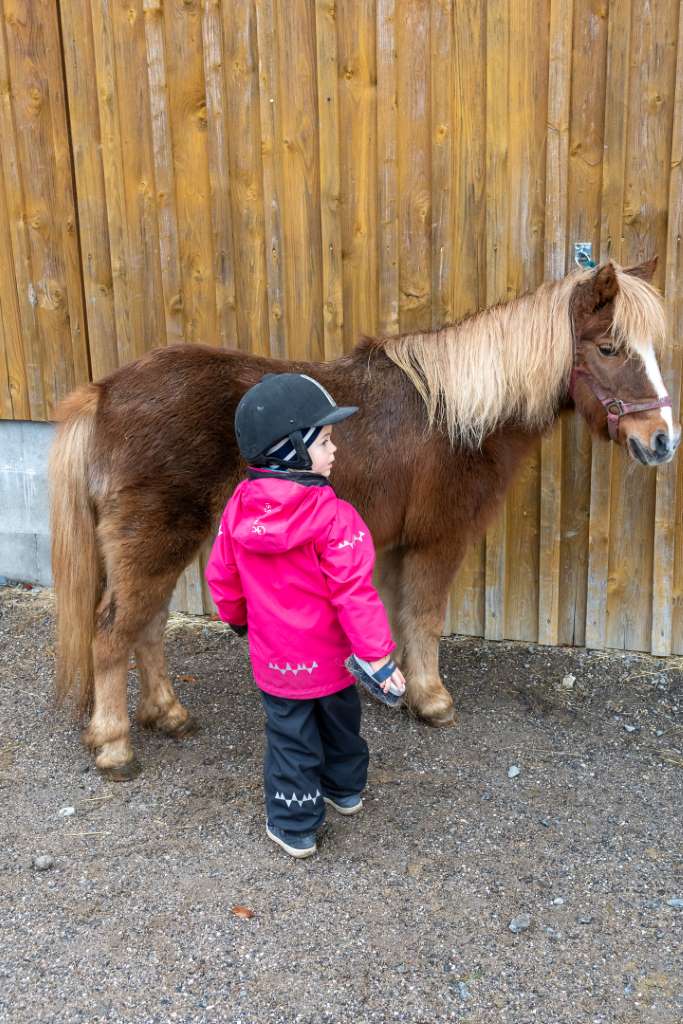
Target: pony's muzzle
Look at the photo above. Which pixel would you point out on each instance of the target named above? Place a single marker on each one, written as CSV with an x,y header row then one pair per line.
x,y
662,448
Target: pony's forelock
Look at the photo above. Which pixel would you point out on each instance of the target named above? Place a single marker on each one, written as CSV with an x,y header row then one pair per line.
x,y
514,360
639,315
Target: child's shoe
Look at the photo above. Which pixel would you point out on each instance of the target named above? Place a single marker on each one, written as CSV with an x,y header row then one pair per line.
x,y
345,804
296,844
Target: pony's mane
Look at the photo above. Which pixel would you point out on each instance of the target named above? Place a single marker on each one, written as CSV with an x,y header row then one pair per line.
x,y
514,360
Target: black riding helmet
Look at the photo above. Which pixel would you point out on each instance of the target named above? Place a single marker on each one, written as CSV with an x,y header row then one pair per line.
x,y
283,405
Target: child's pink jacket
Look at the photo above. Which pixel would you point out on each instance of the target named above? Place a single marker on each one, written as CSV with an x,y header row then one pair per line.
x,y
296,563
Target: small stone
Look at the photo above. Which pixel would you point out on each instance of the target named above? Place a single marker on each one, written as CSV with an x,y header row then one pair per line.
x,y
558,902
545,822
568,681
585,919
514,771
520,923
676,903
44,862
631,728
463,990
659,732
67,812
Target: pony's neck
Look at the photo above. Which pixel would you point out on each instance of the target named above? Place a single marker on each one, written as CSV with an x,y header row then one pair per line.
x,y
508,363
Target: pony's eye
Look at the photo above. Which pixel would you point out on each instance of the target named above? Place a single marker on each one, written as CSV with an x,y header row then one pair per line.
x,y
607,350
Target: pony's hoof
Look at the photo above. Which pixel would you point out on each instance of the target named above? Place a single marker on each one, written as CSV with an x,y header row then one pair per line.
x,y
186,728
121,772
442,720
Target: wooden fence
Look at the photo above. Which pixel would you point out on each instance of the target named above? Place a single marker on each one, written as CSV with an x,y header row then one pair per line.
x,y
284,175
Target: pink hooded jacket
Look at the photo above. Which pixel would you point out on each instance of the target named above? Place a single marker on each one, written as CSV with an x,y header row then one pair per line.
x,y
296,562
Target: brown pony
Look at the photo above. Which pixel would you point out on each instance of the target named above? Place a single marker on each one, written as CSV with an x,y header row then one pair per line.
x,y
145,459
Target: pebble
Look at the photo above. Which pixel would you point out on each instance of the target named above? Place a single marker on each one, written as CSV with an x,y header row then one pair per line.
x,y
545,822
66,812
586,919
463,990
630,728
659,732
514,771
676,902
568,681
520,923
558,902
44,862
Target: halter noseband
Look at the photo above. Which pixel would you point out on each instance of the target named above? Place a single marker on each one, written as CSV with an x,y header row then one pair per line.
x,y
614,407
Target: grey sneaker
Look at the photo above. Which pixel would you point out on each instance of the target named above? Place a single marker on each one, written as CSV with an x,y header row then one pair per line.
x,y
296,844
345,804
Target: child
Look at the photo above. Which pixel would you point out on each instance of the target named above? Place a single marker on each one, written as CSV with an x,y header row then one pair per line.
x,y
293,563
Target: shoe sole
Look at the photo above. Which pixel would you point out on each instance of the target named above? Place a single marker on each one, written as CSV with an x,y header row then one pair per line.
x,y
344,810
291,850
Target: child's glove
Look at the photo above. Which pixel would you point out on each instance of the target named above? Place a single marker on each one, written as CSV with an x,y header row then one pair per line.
x,y
240,630
371,680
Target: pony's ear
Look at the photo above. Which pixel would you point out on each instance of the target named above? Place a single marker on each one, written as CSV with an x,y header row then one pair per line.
x,y
603,286
645,270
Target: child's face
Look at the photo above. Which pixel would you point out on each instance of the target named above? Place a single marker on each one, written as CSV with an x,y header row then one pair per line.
x,y
322,452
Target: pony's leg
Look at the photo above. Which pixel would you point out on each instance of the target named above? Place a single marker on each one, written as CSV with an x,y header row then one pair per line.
x,y
159,707
108,732
426,579
388,581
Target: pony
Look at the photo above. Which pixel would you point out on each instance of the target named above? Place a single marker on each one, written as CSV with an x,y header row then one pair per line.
x,y
145,459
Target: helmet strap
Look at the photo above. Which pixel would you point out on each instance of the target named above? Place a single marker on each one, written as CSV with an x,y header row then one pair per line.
x,y
301,461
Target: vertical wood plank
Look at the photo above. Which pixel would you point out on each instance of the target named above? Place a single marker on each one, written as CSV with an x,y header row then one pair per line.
x,y
529,25
467,243
112,163
19,252
613,185
356,41
387,167
557,160
246,176
162,142
11,347
220,210
414,161
65,294
648,148
84,125
666,518
330,178
271,115
442,71
497,220
670,633
187,100
301,182
589,50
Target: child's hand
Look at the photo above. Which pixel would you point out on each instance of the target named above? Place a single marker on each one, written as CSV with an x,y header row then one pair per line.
x,y
396,679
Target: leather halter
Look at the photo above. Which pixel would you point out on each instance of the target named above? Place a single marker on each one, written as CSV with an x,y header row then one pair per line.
x,y
614,407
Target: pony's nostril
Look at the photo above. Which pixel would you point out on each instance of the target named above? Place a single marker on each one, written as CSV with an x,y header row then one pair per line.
x,y
661,444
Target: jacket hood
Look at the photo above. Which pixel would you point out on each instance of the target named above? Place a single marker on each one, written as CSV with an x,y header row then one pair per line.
x,y
270,514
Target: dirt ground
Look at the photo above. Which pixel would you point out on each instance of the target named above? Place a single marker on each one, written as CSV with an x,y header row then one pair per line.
x,y
404,915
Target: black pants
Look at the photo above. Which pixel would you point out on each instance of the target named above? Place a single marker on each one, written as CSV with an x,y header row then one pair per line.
x,y
314,748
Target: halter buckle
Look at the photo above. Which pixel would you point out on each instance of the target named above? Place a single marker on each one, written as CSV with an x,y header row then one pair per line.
x,y
616,407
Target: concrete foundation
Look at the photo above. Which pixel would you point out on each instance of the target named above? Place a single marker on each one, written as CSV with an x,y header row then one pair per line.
x,y
24,510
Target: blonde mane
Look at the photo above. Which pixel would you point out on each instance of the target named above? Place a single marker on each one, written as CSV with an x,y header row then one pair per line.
x,y
515,359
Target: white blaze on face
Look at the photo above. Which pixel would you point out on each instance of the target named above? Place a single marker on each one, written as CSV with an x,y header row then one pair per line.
x,y
649,358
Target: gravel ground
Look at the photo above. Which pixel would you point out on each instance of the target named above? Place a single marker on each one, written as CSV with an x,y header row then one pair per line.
x,y
405,913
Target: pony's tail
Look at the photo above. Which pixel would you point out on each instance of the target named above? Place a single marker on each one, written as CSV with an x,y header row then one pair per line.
x,y
76,565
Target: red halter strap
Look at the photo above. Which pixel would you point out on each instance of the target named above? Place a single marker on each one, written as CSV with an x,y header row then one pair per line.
x,y
614,407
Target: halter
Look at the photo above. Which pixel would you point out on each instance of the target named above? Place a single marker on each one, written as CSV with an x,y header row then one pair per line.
x,y
614,407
